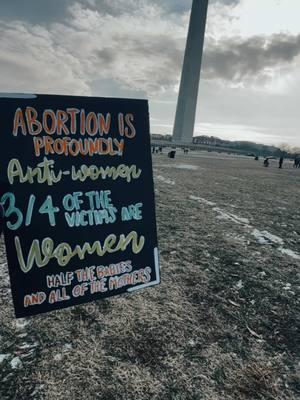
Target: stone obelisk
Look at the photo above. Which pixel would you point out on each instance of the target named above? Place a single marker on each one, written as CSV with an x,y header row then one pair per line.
x,y
190,77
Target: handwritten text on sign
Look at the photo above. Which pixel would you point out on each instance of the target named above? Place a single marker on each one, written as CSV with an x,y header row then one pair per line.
x,y
77,193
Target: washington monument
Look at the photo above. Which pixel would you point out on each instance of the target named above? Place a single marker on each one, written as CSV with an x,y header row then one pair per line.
x,y
190,77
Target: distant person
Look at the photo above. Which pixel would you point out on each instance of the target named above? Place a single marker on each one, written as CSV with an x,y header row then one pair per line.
x,y
266,162
256,158
160,149
297,162
153,149
280,162
171,154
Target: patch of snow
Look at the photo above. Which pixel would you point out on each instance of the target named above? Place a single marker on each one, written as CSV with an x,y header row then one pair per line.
x,y
27,345
231,217
265,237
290,253
259,238
239,285
58,357
22,335
202,200
236,238
186,166
21,323
16,363
182,166
288,286
165,180
262,274
3,357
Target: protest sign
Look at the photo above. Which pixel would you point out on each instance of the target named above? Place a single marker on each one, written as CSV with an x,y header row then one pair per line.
x,y
76,188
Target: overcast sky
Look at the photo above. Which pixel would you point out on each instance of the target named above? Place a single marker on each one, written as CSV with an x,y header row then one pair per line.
x,y
250,81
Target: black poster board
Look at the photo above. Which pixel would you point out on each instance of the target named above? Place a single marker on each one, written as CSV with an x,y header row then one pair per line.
x,y
77,191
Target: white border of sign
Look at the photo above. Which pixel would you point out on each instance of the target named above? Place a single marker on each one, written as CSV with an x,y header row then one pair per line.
x,y
157,271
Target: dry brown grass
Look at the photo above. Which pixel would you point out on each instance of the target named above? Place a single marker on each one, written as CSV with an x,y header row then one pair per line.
x,y
198,335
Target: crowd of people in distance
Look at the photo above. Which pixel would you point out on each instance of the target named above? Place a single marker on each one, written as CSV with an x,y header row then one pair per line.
x,y
266,162
156,150
159,149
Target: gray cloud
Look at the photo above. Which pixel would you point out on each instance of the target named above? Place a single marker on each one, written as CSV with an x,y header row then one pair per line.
x,y
158,55
35,11
140,52
180,6
232,60
129,51
135,48
48,11
116,7
236,59
225,2
170,6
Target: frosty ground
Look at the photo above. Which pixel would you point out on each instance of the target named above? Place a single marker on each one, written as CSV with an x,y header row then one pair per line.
x,y
223,324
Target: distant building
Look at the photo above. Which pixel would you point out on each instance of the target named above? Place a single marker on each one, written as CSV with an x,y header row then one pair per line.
x,y
158,136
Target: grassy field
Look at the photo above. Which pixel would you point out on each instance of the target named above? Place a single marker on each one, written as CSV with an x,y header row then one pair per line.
x,y
223,324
